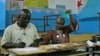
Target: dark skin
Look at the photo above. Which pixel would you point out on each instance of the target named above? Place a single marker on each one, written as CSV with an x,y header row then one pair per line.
x,y
59,26
65,29
23,21
60,22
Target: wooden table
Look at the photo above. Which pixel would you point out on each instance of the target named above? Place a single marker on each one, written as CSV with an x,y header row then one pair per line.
x,y
47,49
94,49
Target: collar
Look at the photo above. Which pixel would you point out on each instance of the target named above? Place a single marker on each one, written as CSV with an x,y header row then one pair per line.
x,y
17,27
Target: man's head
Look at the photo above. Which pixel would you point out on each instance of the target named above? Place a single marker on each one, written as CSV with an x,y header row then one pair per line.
x,y
24,18
59,23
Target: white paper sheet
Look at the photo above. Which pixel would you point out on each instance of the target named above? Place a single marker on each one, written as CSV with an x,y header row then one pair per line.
x,y
26,49
90,43
98,42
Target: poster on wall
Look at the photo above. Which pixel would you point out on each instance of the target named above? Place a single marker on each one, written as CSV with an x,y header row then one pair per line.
x,y
17,4
36,3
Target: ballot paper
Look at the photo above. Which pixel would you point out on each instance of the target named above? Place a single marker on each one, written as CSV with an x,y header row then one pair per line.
x,y
98,42
90,43
26,49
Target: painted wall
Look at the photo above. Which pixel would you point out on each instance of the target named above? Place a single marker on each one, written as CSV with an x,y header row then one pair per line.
x,y
2,14
86,16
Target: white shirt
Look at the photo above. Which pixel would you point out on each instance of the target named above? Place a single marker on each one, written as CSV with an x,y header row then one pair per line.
x,y
15,34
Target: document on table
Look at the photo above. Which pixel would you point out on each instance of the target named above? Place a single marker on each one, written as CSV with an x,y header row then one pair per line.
x,y
90,43
26,49
98,43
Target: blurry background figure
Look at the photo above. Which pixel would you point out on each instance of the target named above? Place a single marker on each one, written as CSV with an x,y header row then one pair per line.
x,y
15,18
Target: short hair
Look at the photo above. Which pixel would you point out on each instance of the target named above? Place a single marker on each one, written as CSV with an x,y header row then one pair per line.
x,y
26,11
60,20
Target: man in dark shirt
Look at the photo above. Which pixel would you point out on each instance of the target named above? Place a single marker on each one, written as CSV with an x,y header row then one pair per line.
x,y
61,34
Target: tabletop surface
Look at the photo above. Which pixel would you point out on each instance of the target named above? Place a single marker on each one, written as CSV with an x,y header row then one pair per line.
x,y
45,48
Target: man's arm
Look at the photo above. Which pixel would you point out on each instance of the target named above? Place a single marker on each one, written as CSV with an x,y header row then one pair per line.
x,y
48,37
36,38
6,41
14,45
73,22
44,40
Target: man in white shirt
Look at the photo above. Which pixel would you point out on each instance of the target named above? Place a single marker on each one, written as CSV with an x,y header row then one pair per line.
x,y
21,34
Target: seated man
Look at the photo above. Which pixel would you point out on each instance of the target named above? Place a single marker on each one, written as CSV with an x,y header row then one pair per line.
x,y
20,34
61,33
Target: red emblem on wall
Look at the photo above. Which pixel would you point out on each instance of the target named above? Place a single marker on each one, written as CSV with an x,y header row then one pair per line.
x,y
79,3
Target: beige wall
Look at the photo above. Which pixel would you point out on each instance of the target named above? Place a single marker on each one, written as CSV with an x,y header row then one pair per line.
x,y
77,37
81,37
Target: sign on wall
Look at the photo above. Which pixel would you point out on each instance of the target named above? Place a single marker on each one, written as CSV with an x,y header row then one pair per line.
x,y
17,4
36,3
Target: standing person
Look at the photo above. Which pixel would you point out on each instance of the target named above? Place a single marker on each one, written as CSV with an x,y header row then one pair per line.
x,y
20,34
61,33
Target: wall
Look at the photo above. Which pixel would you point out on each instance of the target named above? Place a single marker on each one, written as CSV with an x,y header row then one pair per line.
x,y
2,14
69,4
86,16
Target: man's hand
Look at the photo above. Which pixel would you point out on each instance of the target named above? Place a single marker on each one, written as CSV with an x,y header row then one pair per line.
x,y
20,45
14,45
36,43
68,11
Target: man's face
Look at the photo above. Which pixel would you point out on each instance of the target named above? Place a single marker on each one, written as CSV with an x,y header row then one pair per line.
x,y
24,20
59,23
59,26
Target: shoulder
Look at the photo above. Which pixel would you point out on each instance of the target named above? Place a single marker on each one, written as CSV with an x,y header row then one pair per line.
x,y
32,25
10,27
52,31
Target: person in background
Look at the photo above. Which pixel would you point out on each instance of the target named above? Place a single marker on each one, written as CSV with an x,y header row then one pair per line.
x,y
20,34
15,17
61,33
